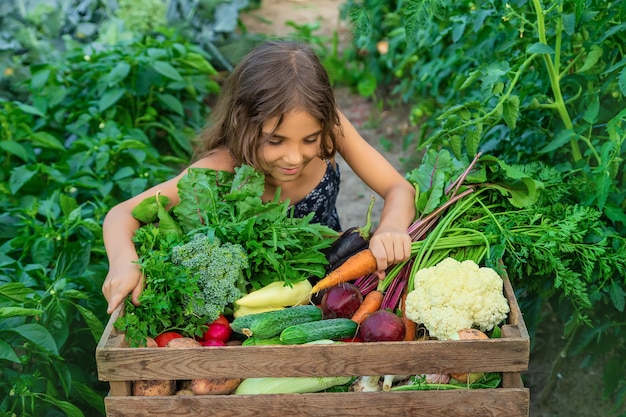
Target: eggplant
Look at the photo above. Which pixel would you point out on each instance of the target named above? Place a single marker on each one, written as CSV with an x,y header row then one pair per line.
x,y
351,241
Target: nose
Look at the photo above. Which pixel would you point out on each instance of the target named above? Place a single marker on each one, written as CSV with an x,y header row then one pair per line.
x,y
294,155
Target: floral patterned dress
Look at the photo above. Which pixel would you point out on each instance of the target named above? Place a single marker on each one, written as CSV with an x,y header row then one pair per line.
x,y
322,199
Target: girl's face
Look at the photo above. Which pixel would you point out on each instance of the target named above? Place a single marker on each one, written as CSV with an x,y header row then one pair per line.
x,y
292,146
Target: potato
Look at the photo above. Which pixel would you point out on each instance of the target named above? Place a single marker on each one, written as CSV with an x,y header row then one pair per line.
x,y
471,334
151,343
184,392
151,388
183,342
215,386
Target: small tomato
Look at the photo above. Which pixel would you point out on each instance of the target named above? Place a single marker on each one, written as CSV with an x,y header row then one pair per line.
x,y
217,331
165,337
222,319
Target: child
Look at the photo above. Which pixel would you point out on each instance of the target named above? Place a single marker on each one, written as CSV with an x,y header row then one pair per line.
x,y
277,113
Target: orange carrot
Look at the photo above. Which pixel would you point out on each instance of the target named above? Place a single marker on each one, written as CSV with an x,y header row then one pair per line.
x,y
410,327
370,304
359,264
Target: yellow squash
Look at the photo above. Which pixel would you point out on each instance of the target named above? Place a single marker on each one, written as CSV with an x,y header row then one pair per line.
x,y
277,294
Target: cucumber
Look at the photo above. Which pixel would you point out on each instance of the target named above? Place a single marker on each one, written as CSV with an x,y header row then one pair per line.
x,y
272,323
333,329
256,341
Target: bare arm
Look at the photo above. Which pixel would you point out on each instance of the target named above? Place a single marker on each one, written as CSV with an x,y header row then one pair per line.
x,y
390,242
119,226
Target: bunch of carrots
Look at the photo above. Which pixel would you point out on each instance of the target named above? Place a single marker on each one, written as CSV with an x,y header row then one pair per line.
x,y
434,237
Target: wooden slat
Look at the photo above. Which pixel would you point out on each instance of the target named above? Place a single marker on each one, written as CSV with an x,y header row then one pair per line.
x,y
110,329
515,314
512,380
348,359
120,388
467,403
510,331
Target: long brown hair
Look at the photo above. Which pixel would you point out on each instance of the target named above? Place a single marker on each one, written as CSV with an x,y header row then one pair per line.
x,y
275,78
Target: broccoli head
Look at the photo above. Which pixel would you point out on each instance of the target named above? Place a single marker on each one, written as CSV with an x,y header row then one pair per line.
x,y
218,267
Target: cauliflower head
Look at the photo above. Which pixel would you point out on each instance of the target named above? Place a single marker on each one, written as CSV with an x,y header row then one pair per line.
x,y
454,295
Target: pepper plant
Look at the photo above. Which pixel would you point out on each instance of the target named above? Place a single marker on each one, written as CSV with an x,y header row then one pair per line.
x,y
99,126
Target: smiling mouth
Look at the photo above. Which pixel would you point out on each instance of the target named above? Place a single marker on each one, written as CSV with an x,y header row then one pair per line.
x,y
290,171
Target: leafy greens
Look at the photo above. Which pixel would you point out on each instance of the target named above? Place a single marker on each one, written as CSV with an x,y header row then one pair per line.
x,y
227,209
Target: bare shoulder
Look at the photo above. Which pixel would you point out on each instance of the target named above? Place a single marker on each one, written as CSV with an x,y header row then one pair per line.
x,y
218,159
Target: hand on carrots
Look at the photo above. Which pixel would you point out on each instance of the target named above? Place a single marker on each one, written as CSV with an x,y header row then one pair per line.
x,y
122,279
389,246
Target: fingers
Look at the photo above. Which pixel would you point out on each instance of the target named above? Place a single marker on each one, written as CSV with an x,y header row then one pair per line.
x,y
390,248
119,284
106,291
113,303
137,291
114,298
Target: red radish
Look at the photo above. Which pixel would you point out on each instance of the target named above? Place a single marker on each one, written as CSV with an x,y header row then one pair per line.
x,y
165,337
382,326
352,340
213,342
341,301
217,331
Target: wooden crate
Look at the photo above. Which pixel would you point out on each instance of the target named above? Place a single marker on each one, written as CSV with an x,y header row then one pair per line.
x,y
510,354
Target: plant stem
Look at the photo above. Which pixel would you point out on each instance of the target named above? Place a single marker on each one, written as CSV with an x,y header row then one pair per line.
x,y
551,381
553,73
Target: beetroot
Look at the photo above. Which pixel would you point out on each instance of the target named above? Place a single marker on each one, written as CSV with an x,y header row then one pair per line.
x,y
341,301
382,326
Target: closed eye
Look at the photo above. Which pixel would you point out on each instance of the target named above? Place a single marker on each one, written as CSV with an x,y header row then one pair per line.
x,y
275,139
312,139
